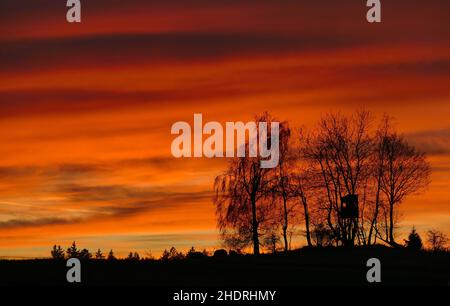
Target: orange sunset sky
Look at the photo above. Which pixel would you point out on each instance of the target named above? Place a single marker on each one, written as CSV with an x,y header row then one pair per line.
x,y
86,109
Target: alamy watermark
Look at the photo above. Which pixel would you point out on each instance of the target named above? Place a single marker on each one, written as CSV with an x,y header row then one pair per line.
x,y
74,12
261,142
73,275
373,275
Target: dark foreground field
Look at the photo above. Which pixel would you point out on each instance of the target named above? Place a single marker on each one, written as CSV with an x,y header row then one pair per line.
x,y
306,267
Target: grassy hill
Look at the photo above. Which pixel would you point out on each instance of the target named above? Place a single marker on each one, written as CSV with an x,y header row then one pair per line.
x,y
305,267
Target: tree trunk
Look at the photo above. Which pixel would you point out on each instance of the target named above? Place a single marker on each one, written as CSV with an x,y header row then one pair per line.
x,y
308,232
285,239
375,216
255,228
285,225
391,223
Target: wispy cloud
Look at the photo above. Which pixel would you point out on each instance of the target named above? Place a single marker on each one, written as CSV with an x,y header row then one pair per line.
x,y
434,142
22,223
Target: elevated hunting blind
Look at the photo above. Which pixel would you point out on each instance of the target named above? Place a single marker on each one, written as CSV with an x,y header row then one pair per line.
x,y
349,207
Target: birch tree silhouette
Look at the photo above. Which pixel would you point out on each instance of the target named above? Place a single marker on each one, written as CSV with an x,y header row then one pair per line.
x,y
241,194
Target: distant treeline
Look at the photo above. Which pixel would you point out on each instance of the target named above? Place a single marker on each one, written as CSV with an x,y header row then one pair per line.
x,y
73,251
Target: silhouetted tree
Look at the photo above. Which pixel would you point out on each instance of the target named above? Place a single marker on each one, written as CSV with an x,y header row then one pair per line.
x,y
133,256
165,255
85,254
191,251
381,168
322,235
282,182
240,193
149,255
72,251
342,156
340,149
406,172
111,255
172,254
437,240
271,241
57,252
378,169
99,254
414,241
305,180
